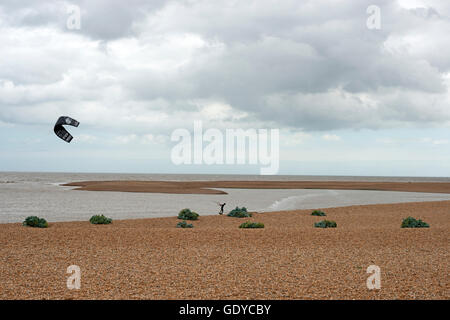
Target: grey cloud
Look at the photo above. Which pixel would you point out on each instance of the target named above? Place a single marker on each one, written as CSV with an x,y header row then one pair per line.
x,y
302,64
111,19
100,20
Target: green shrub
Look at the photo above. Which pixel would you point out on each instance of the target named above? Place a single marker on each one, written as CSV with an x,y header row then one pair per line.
x,y
187,214
35,222
325,224
239,213
100,219
318,213
251,225
410,222
184,224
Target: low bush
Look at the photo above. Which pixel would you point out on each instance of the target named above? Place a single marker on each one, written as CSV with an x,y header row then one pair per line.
x,y
325,224
35,222
184,224
239,213
318,213
251,225
100,219
410,222
187,214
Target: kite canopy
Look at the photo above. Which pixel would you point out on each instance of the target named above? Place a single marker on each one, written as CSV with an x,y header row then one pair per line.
x,y
61,131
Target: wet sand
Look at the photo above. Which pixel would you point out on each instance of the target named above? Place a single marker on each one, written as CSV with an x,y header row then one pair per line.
x,y
289,259
207,187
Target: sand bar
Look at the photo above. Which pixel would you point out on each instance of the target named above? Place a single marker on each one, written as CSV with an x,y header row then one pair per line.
x,y
209,187
289,259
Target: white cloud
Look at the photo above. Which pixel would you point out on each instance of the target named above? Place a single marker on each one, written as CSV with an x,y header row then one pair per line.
x,y
125,139
439,142
331,137
154,139
86,138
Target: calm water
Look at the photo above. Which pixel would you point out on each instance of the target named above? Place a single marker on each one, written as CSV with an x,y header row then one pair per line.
x,y
24,194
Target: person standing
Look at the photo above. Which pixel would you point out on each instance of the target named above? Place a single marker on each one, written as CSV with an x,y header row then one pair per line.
x,y
221,207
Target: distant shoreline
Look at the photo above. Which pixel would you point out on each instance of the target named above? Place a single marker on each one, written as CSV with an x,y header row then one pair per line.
x,y
210,187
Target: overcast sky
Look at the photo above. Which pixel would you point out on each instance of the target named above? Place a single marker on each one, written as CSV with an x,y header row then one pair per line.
x,y
348,100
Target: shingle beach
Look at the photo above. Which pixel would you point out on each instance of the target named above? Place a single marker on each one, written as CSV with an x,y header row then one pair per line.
x,y
288,259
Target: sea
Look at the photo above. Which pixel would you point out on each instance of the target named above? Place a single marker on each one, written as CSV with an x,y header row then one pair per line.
x,y
24,194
